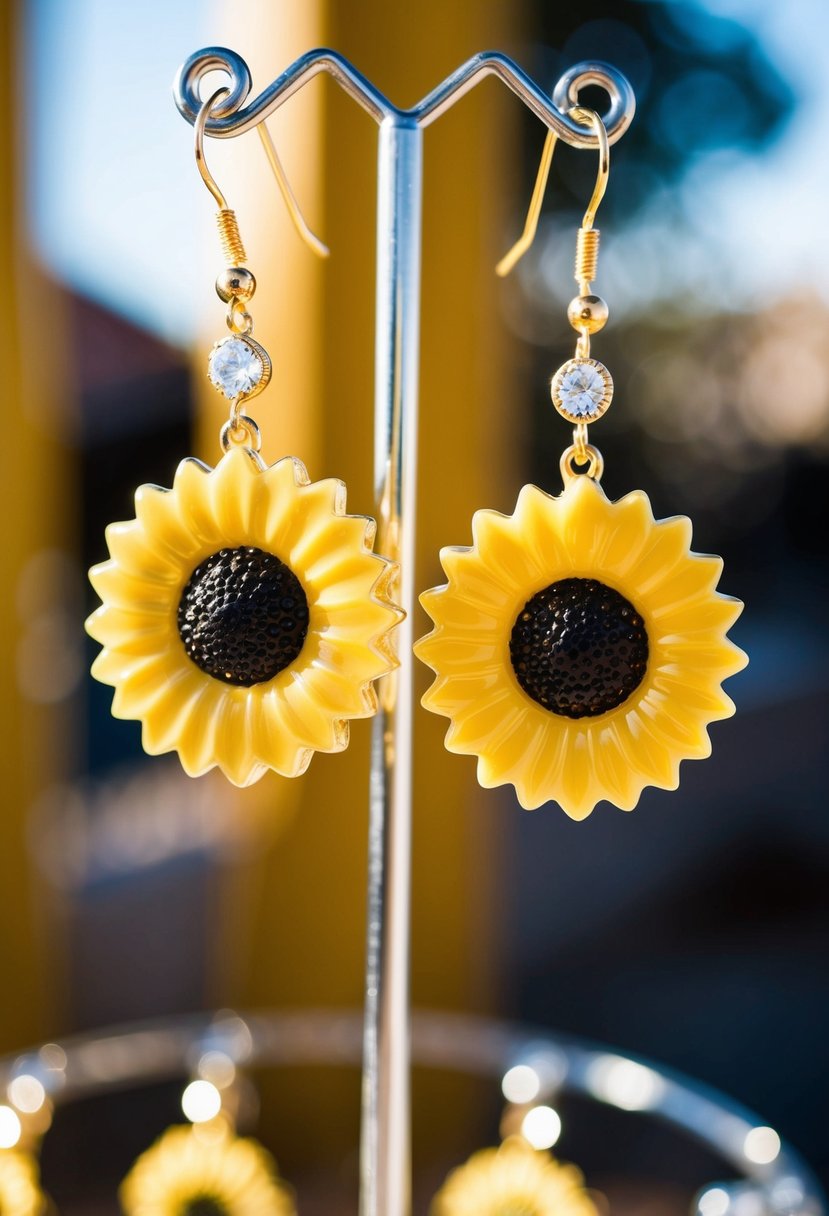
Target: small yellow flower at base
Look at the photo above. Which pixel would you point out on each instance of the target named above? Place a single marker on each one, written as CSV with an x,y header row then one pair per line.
x,y
579,647
244,618
20,1193
195,1171
513,1180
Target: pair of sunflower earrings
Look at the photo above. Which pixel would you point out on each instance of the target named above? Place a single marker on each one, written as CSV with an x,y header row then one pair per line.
x,y
579,646
207,1170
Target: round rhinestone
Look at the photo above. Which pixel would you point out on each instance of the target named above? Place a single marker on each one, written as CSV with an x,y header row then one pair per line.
x,y
235,367
581,390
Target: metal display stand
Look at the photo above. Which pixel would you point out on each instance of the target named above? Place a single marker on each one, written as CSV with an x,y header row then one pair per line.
x,y
385,1165
123,1058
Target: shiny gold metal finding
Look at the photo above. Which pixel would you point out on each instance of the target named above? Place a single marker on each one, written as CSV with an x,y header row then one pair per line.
x,y
300,224
587,250
531,223
232,245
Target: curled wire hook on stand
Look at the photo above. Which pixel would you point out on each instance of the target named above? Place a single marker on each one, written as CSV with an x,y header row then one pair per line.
x,y
588,245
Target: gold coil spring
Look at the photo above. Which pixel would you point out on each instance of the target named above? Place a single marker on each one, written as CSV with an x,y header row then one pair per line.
x,y
587,255
232,246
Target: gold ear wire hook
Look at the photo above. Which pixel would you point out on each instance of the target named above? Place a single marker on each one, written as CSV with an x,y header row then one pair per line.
x,y
534,211
228,227
310,238
198,138
587,239
590,116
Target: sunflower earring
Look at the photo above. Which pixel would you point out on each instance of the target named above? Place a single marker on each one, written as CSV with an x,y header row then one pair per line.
x,y
205,1169
20,1191
245,616
579,645
515,1177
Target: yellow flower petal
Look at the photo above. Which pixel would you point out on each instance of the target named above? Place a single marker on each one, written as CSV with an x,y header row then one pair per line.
x,y
161,520
461,652
649,751
358,700
136,555
314,726
129,591
582,518
630,525
532,521
667,549
711,702
613,768
233,739
469,581
196,745
234,489
499,548
277,747
538,768
322,546
131,632
499,762
145,684
191,496
458,693
697,614
498,713
170,714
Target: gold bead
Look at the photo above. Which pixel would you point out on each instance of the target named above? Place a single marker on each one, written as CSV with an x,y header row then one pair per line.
x,y
235,283
588,314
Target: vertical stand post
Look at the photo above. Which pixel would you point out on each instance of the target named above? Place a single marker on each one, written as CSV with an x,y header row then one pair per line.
x,y
385,1147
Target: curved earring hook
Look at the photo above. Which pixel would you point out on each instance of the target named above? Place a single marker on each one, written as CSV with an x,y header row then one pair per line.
x,y
297,218
585,117
198,142
303,230
590,116
527,237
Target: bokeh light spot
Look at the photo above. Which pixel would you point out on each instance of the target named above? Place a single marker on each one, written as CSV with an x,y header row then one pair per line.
x,y
201,1101
541,1127
520,1084
10,1127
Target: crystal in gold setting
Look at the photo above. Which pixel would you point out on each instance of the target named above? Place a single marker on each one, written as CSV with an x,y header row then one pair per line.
x,y
582,390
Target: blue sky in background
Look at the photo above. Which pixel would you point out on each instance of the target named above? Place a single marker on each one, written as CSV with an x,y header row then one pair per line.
x,y
116,207
757,215
117,211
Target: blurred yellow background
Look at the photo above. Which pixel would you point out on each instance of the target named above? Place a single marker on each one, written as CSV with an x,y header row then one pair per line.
x,y
692,930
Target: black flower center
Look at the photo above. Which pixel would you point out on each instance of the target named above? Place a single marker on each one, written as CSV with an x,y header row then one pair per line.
x,y
579,648
243,616
203,1205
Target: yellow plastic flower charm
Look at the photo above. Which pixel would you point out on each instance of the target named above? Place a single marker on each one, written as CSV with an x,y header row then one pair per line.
x,y
513,1180
20,1193
580,648
244,617
202,1171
